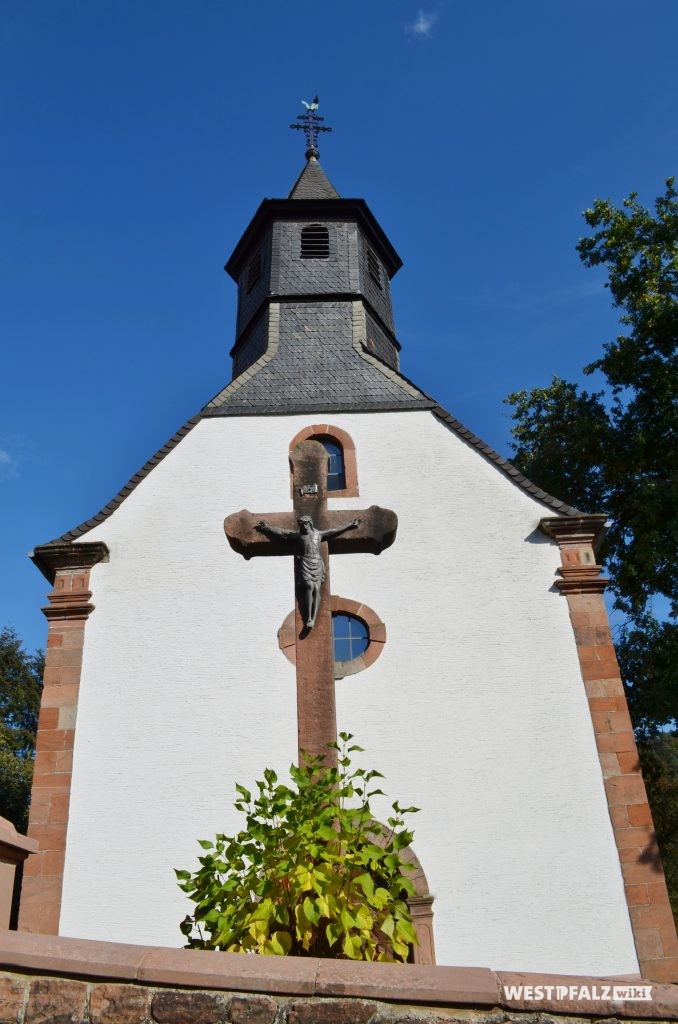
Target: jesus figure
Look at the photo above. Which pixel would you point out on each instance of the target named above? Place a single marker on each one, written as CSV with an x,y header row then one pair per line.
x,y
309,557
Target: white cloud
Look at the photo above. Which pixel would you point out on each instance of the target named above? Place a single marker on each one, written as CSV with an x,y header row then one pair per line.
x,y
13,450
422,24
8,469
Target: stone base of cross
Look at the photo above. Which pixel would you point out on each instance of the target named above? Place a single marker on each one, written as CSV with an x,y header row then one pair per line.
x,y
254,534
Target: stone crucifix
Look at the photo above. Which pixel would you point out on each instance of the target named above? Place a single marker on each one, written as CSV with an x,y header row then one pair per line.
x,y
312,532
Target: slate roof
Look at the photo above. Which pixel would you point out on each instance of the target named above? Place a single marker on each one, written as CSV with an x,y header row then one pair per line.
x,y
317,370
419,400
313,183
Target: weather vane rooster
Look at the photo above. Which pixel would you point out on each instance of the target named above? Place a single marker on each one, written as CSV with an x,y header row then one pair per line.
x,y
310,124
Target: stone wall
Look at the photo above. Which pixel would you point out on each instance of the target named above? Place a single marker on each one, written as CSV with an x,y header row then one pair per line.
x,y
50,980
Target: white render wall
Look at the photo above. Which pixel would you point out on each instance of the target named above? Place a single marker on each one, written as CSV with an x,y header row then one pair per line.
x,y
475,711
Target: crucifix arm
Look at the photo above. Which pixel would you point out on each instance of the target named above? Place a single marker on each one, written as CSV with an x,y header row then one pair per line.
x,y
275,531
340,529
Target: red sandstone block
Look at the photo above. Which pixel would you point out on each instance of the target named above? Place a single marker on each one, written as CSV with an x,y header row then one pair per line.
x,y
70,675
52,781
618,741
636,838
58,808
604,687
39,814
61,694
609,764
625,789
52,863
628,761
630,854
620,721
669,939
638,872
607,703
73,634
648,942
56,739
655,915
601,669
637,895
40,904
592,634
64,761
657,891
49,837
45,762
54,639
661,970
601,722
639,814
51,676
619,817
48,718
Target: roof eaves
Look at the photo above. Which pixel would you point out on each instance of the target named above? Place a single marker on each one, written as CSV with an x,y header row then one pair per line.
x,y
506,467
419,401
125,491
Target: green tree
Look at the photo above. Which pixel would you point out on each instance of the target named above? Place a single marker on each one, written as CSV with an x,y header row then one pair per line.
x,y
20,689
615,450
659,761
311,874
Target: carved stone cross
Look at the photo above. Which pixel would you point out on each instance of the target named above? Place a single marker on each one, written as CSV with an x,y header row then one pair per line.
x,y
375,530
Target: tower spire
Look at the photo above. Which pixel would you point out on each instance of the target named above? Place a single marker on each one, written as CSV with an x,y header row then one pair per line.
x,y
310,124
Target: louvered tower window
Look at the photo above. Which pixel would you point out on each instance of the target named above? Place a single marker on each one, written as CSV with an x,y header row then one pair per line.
x,y
315,242
373,267
253,272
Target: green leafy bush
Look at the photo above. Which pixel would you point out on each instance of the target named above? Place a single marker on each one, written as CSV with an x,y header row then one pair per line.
x,y
311,874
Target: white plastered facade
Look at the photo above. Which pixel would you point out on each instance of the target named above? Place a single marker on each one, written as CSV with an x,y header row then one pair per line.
x,y
475,712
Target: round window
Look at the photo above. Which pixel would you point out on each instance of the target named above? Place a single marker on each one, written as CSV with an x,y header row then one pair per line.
x,y
358,634
351,636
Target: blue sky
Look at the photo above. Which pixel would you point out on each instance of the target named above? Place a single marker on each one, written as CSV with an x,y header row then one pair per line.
x,y
139,137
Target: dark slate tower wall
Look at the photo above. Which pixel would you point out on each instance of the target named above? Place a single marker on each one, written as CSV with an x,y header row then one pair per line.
x,y
293,275
250,301
346,272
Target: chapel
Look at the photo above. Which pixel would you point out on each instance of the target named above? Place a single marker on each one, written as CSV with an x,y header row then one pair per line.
x,y
458,631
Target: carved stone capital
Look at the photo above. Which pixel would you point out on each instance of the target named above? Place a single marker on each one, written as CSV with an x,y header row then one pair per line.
x,y
581,579
67,567
574,530
577,537
50,558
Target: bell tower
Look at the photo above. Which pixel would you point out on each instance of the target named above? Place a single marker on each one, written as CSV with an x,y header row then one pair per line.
x,y
313,273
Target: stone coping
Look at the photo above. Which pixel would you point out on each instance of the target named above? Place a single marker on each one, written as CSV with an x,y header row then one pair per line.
x,y
302,977
12,842
452,986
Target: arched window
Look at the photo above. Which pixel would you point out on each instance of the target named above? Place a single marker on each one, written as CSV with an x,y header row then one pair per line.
x,y
342,474
336,471
315,242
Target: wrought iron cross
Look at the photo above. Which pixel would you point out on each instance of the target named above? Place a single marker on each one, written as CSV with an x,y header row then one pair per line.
x,y
310,124
376,530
